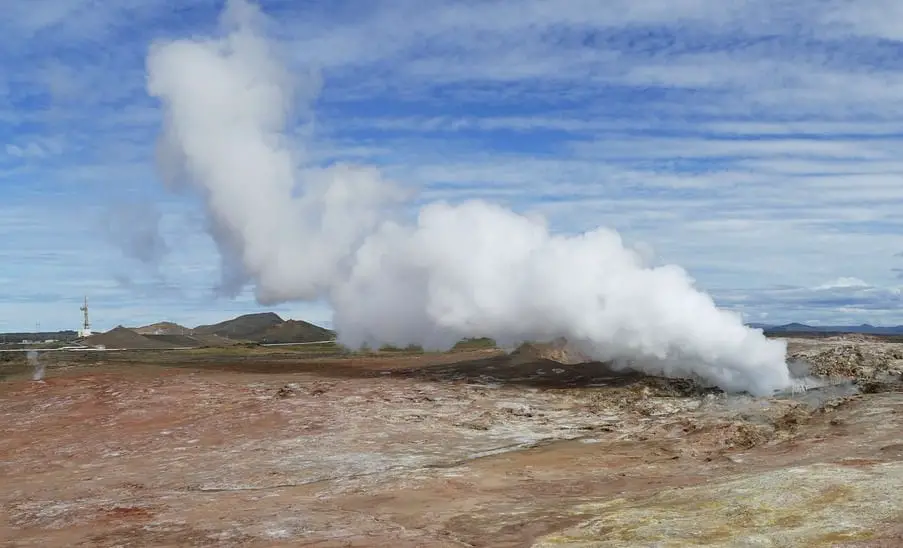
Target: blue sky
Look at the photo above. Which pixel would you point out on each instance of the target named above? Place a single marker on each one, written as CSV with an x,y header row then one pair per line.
x,y
757,144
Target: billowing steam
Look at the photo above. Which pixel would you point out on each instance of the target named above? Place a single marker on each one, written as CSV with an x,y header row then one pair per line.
x,y
36,364
474,269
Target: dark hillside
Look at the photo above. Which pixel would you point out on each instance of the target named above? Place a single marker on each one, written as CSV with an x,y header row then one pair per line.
x,y
247,327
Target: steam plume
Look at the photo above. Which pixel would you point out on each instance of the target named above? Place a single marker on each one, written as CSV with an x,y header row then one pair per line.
x,y
475,269
36,364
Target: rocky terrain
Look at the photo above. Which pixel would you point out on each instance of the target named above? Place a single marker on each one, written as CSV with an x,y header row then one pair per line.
x,y
471,448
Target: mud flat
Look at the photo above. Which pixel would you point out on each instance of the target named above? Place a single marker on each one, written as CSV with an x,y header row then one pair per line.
x,y
248,448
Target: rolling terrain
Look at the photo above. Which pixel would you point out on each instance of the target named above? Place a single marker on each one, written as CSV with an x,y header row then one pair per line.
x,y
315,446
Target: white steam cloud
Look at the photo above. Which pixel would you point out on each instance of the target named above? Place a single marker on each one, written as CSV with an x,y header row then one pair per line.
x,y
36,364
476,269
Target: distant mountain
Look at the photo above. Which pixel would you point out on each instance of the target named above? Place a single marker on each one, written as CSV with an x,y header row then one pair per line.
x,y
266,327
796,327
247,327
162,328
65,336
122,337
293,331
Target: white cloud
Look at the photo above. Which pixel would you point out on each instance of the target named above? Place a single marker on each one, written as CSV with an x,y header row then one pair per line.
x,y
843,282
757,143
29,150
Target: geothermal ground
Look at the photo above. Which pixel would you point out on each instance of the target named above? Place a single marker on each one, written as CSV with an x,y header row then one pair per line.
x,y
252,447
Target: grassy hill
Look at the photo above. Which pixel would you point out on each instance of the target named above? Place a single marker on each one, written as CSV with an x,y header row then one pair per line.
x,y
266,327
162,328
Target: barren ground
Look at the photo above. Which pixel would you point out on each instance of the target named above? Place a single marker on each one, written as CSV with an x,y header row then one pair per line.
x,y
262,448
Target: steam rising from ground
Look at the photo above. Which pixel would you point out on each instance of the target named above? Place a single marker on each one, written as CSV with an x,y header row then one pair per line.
x,y
474,269
36,364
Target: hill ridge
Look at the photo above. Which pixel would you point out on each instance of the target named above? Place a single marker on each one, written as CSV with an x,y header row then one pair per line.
x,y
266,327
797,327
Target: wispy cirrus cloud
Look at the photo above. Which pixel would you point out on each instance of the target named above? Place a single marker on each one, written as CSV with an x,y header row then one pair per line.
x,y
755,143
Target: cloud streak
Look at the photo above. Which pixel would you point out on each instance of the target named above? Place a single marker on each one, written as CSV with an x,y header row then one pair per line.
x,y
753,142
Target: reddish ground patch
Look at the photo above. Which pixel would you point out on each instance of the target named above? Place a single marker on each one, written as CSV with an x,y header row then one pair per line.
x,y
274,450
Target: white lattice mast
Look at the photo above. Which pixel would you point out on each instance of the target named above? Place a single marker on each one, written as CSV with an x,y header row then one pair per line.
x,y
86,325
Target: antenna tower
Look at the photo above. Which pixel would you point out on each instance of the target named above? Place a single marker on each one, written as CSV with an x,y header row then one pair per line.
x,y
86,326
